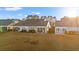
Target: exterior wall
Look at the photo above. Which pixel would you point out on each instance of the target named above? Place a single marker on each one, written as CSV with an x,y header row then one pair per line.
x,y
43,29
63,29
27,28
59,30
10,26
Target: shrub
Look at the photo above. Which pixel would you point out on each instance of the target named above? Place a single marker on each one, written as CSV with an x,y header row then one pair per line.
x,y
31,31
71,32
24,31
66,32
9,30
51,30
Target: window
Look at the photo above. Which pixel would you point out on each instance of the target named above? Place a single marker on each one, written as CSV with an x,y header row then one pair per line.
x,y
57,29
41,29
64,30
16,28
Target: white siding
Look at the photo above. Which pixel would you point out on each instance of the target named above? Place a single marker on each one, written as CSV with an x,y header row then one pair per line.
x,y
66,28
30,27
47,27
44,28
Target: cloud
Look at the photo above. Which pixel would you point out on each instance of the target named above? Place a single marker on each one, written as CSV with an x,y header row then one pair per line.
x,y
33,12
10,17
37,13
25,15
19,14
13,8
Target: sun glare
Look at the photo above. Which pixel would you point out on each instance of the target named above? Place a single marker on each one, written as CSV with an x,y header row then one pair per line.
x,y
71,12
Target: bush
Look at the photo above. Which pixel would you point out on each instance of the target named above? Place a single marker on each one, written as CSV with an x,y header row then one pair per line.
x,y
9,30
24,31
51,30
71,32
32,31
66,32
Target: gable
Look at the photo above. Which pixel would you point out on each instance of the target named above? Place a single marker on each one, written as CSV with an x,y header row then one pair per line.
x,y
48,25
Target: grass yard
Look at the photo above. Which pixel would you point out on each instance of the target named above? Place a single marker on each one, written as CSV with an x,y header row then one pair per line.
x,y
18,41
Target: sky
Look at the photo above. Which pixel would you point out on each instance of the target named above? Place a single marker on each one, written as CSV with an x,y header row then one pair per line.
x,y
22,12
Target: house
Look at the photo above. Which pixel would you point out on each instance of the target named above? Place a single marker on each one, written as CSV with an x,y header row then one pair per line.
x,y
32,17
3,25
51,19
59,28
38,25
11,25
43,17
67,25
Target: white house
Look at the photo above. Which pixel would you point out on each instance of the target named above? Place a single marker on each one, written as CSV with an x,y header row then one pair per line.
x,y
62,27
38,25
51,19
11,25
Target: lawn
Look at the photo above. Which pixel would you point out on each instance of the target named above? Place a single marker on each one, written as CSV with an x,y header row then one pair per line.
x,y
19,41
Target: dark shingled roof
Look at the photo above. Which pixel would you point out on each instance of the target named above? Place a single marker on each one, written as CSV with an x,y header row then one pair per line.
x,y
5,22
32,22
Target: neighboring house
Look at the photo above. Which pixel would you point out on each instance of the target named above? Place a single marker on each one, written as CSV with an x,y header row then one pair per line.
x,y
38,25
32,17
4,24
51,19
63,27
59,28
43,17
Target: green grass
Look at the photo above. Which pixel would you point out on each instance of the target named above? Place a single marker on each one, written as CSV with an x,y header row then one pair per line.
x,y
18,41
